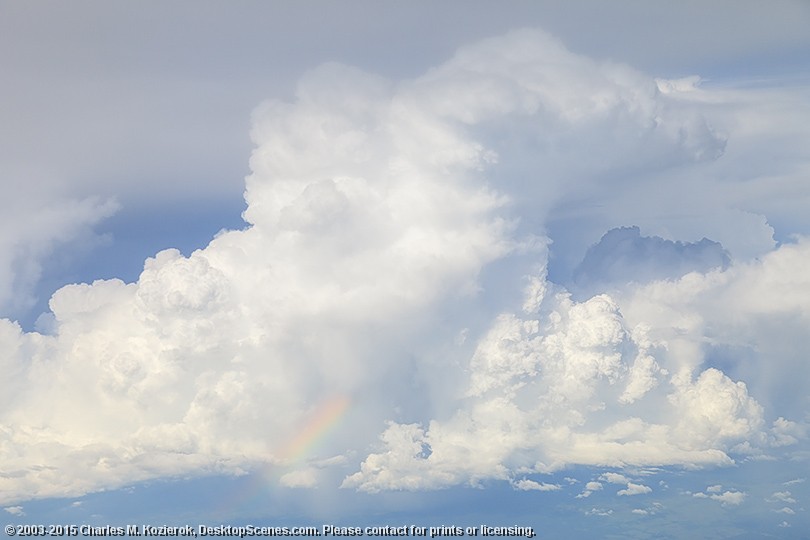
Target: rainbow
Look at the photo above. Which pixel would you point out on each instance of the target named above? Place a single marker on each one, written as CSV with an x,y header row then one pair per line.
x,y
327,416
323,420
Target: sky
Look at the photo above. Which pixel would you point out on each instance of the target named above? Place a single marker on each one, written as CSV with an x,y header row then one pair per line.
x,y
358,264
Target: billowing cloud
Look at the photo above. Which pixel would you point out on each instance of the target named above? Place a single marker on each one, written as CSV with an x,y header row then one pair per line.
x,y
561,388
394,276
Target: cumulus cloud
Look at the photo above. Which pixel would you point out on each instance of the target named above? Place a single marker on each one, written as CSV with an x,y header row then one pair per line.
x,y
727,498
614,478
590,487
543,387
531,485
634,489
301,478
385,220
732,498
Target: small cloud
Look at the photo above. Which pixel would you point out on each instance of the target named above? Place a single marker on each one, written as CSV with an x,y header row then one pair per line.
x,y
785,510
726,498
571,480
76,504
531,485
795,481
784,432
303,478
674,86
784,524
733,498
783,496
590,487
634,489
14,510
614,478
599,512
650,510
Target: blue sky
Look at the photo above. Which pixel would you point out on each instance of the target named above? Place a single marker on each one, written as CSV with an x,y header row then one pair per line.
x,y
362,263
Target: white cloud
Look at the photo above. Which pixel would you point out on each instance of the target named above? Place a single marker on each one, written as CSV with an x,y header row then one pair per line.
x,y
531,485
634,489
590,487
301,478
575,355
785,510
614,478
15,510
727,498
654,508
379,212
733,498
783,496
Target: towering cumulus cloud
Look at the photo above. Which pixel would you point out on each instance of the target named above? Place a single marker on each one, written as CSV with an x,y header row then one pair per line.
x,y
395,264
